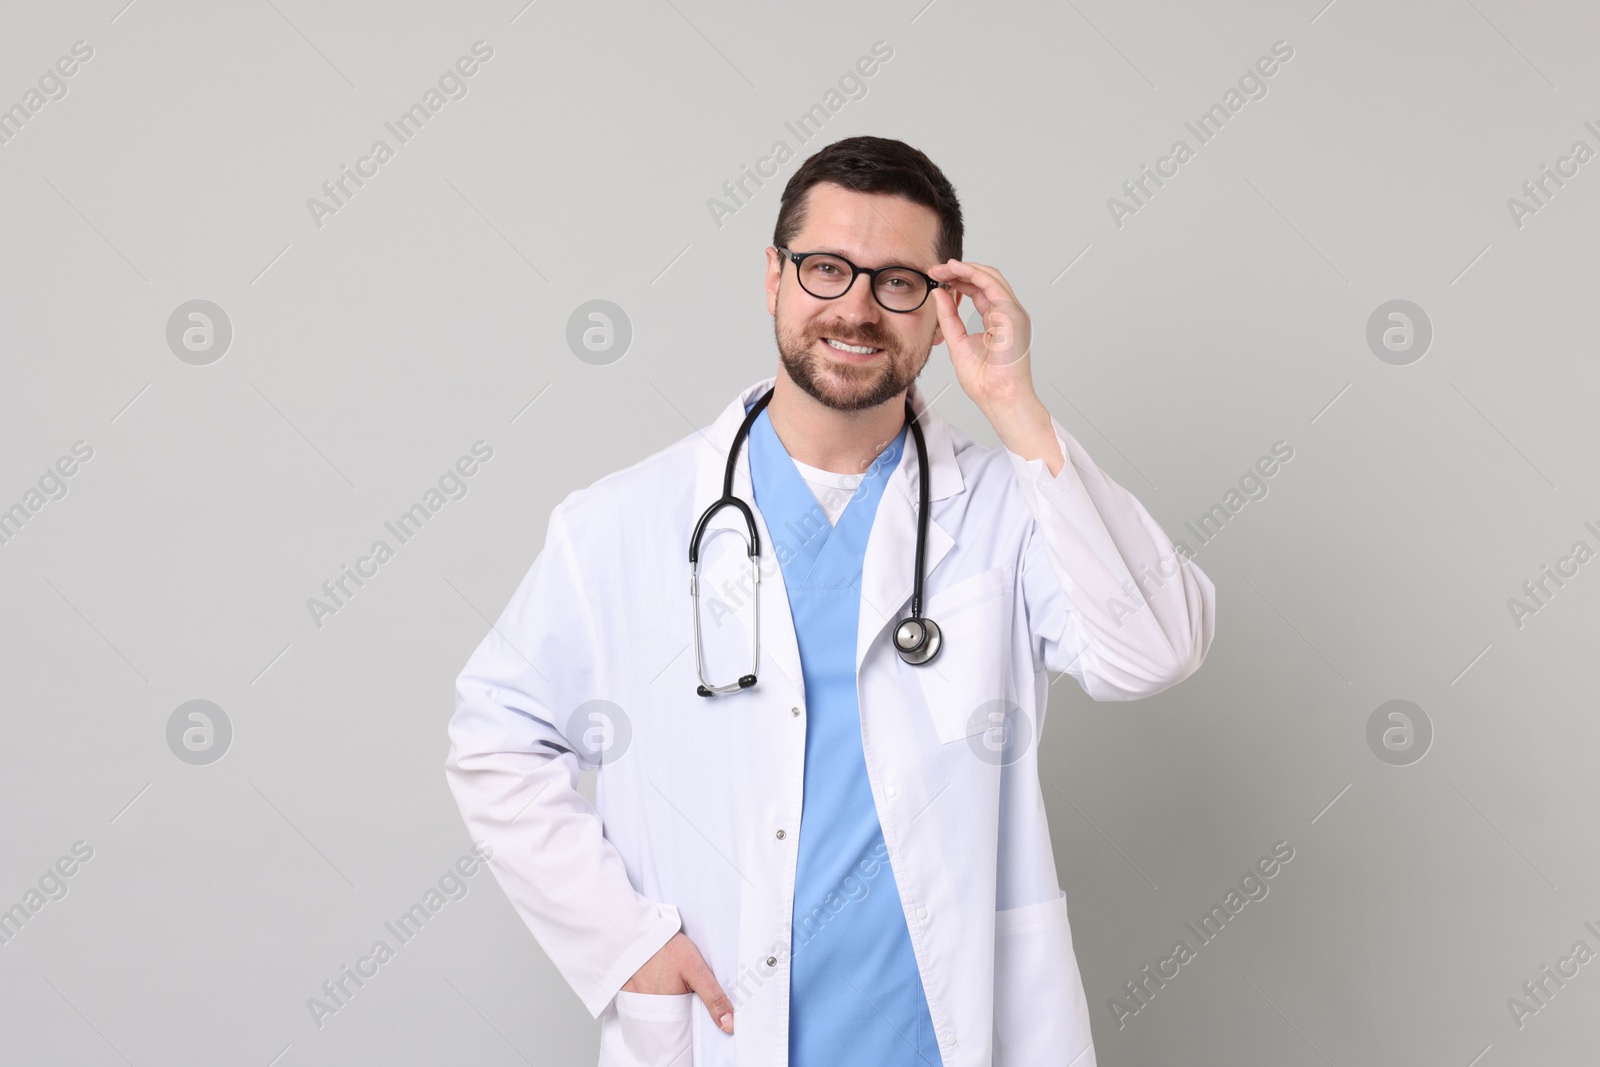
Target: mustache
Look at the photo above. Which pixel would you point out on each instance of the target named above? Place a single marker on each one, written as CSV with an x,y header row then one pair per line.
x,y
866,335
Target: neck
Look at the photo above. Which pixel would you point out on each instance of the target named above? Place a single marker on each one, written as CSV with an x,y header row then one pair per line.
x,y
845,442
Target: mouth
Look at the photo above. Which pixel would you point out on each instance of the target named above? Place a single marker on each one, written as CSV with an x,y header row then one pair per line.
x,y
851,351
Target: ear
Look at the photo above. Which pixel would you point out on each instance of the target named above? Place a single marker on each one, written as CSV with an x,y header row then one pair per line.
x,y
774,274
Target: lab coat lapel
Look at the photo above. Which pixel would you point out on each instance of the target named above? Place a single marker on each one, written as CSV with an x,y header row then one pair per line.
x,y
887,571
720,565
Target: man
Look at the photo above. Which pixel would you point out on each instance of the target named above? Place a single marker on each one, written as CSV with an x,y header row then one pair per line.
x,y
849,855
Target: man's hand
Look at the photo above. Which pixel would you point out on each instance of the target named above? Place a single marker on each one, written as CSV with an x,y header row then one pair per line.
x,y
678,967
994,367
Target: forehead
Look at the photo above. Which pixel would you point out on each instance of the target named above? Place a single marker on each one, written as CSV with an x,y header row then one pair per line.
x,y
867,228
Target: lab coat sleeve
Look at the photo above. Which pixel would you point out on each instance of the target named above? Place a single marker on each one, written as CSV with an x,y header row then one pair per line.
x,y
1109,599
513,770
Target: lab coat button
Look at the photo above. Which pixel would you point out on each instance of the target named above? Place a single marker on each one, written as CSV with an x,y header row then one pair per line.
x,y
949,1038
794,711
780,835
772,961
922,913
892,791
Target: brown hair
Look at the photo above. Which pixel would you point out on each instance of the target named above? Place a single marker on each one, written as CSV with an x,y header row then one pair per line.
x,y
874,165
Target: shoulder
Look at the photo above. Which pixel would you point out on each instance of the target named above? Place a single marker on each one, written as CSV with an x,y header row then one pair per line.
x,y
658,488
991,495
978,462
986,470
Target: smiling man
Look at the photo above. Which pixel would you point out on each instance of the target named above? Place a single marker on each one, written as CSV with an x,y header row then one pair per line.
x,y
844,846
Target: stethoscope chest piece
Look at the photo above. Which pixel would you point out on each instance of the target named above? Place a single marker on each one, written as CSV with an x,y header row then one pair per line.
x,y
917,640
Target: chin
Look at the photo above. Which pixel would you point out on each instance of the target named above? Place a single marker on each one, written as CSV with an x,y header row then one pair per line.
x,y
855,388
840,383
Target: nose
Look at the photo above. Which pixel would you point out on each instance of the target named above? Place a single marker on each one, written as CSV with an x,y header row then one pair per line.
x,y
857,304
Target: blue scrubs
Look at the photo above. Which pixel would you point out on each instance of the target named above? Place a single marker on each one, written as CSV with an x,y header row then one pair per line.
x,y
855,994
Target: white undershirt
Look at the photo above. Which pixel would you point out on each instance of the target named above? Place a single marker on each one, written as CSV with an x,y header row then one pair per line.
x,y
832,490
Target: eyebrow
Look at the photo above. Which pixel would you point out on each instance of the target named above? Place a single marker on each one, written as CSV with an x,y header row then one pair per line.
x,y
836,252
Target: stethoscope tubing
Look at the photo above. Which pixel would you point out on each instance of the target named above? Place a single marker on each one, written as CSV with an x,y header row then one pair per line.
x,y
728,499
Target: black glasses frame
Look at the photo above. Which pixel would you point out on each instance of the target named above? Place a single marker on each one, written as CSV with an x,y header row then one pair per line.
x,y
872,278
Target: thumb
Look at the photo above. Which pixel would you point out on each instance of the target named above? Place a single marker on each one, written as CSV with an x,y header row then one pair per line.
x,y
703,982
950,324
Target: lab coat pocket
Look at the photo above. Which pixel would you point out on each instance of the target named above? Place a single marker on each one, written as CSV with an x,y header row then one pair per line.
x,y
649,1030
1040,1011
970,671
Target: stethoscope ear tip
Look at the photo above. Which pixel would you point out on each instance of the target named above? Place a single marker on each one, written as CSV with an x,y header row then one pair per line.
x,y
745,682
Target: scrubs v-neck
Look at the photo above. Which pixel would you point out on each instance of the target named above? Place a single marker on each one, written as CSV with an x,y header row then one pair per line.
x,y
855,994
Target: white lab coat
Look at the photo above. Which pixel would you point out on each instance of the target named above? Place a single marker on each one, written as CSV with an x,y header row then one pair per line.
x,y
698,800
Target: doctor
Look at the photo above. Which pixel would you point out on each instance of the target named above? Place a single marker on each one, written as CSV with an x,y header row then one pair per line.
x,y
849,856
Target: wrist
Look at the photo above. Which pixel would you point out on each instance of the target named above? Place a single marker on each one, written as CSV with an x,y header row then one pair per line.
x,y
1026,429
1023,415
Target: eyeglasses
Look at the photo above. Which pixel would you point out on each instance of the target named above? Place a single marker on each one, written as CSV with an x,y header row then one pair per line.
x,y
828,277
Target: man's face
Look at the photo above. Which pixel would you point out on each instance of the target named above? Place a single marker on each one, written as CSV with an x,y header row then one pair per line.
x,y
870,230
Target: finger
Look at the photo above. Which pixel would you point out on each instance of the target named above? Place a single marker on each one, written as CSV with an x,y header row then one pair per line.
x,y
959,271
975,293
994,272
985,281
703,982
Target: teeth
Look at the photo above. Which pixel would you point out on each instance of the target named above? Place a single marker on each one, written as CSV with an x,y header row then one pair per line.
x,y
859,350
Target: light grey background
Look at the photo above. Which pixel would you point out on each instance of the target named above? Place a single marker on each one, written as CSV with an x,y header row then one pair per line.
x,y
431,312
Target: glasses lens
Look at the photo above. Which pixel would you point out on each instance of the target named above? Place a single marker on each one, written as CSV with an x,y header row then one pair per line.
x,y
824,276
901,290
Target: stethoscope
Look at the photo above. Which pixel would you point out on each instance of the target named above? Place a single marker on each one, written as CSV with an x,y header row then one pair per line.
x,y
915,638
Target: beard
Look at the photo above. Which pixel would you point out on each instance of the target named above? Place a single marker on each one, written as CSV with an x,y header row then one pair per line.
x,y
842,385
